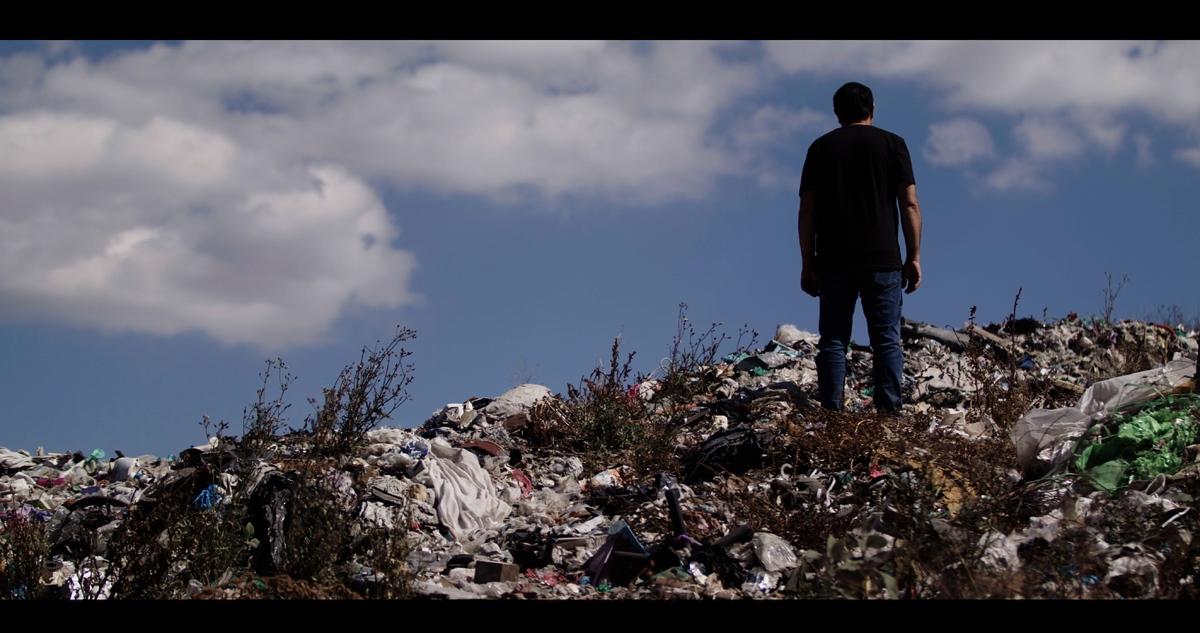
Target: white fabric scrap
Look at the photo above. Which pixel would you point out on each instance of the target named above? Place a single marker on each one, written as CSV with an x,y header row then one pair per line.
x,y
465,498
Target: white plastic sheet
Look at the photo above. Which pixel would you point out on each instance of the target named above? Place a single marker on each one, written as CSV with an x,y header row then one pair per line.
x,y
516,400
13,460
1041,435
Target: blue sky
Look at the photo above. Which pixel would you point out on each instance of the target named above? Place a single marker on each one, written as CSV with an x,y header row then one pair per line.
x,y
174,214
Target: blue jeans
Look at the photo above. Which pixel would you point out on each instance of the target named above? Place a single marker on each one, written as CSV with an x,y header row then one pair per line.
x,y
882,296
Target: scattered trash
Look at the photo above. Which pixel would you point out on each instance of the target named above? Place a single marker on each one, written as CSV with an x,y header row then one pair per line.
x,y
755,494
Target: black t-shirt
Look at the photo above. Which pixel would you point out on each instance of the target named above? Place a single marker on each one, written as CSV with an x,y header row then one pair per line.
x,y
855,171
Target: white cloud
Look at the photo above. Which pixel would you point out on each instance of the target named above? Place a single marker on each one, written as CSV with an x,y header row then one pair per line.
x,y
1017,175
958,142
130,187
1023,76
1043,143
1144,158
184,153
268,268
60,48
1099,129
1044,138
478,117
43,144
1190,155
1069,96
772,125
219,186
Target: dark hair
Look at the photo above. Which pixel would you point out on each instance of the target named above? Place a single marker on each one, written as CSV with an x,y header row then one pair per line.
x,y
853,102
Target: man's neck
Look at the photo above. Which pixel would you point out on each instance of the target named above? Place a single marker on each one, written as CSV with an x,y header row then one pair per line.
x,y
867,121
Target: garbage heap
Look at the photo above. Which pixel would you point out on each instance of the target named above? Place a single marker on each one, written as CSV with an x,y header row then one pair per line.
x,y
1031,460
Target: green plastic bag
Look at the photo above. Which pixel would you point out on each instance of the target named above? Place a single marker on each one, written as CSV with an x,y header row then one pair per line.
x,y
1147,443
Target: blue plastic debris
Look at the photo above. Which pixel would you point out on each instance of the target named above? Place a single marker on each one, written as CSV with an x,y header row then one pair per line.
x,y
207,498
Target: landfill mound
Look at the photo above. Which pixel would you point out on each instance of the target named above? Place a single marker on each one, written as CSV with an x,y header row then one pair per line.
x,y
1030,460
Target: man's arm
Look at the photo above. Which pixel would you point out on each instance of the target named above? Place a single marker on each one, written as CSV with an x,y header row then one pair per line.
x,y
910,221
808,231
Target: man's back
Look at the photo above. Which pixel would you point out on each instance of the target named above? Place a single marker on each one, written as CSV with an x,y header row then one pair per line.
x,y
855,171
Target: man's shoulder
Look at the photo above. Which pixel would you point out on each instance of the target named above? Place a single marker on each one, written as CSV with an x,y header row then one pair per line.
x,y
834,138
822,139
882,140
871,130
891,135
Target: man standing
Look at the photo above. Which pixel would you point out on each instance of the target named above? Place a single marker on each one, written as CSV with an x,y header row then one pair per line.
x,y
857,189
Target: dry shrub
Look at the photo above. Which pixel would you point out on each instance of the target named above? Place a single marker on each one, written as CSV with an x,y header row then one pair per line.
x,y
365,394
163,544
686,372
826,441
831,441
264,420
388,551
1003,391
605,419
316,529
941,493
1139,347
169,540
598,417
247,586
23,550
